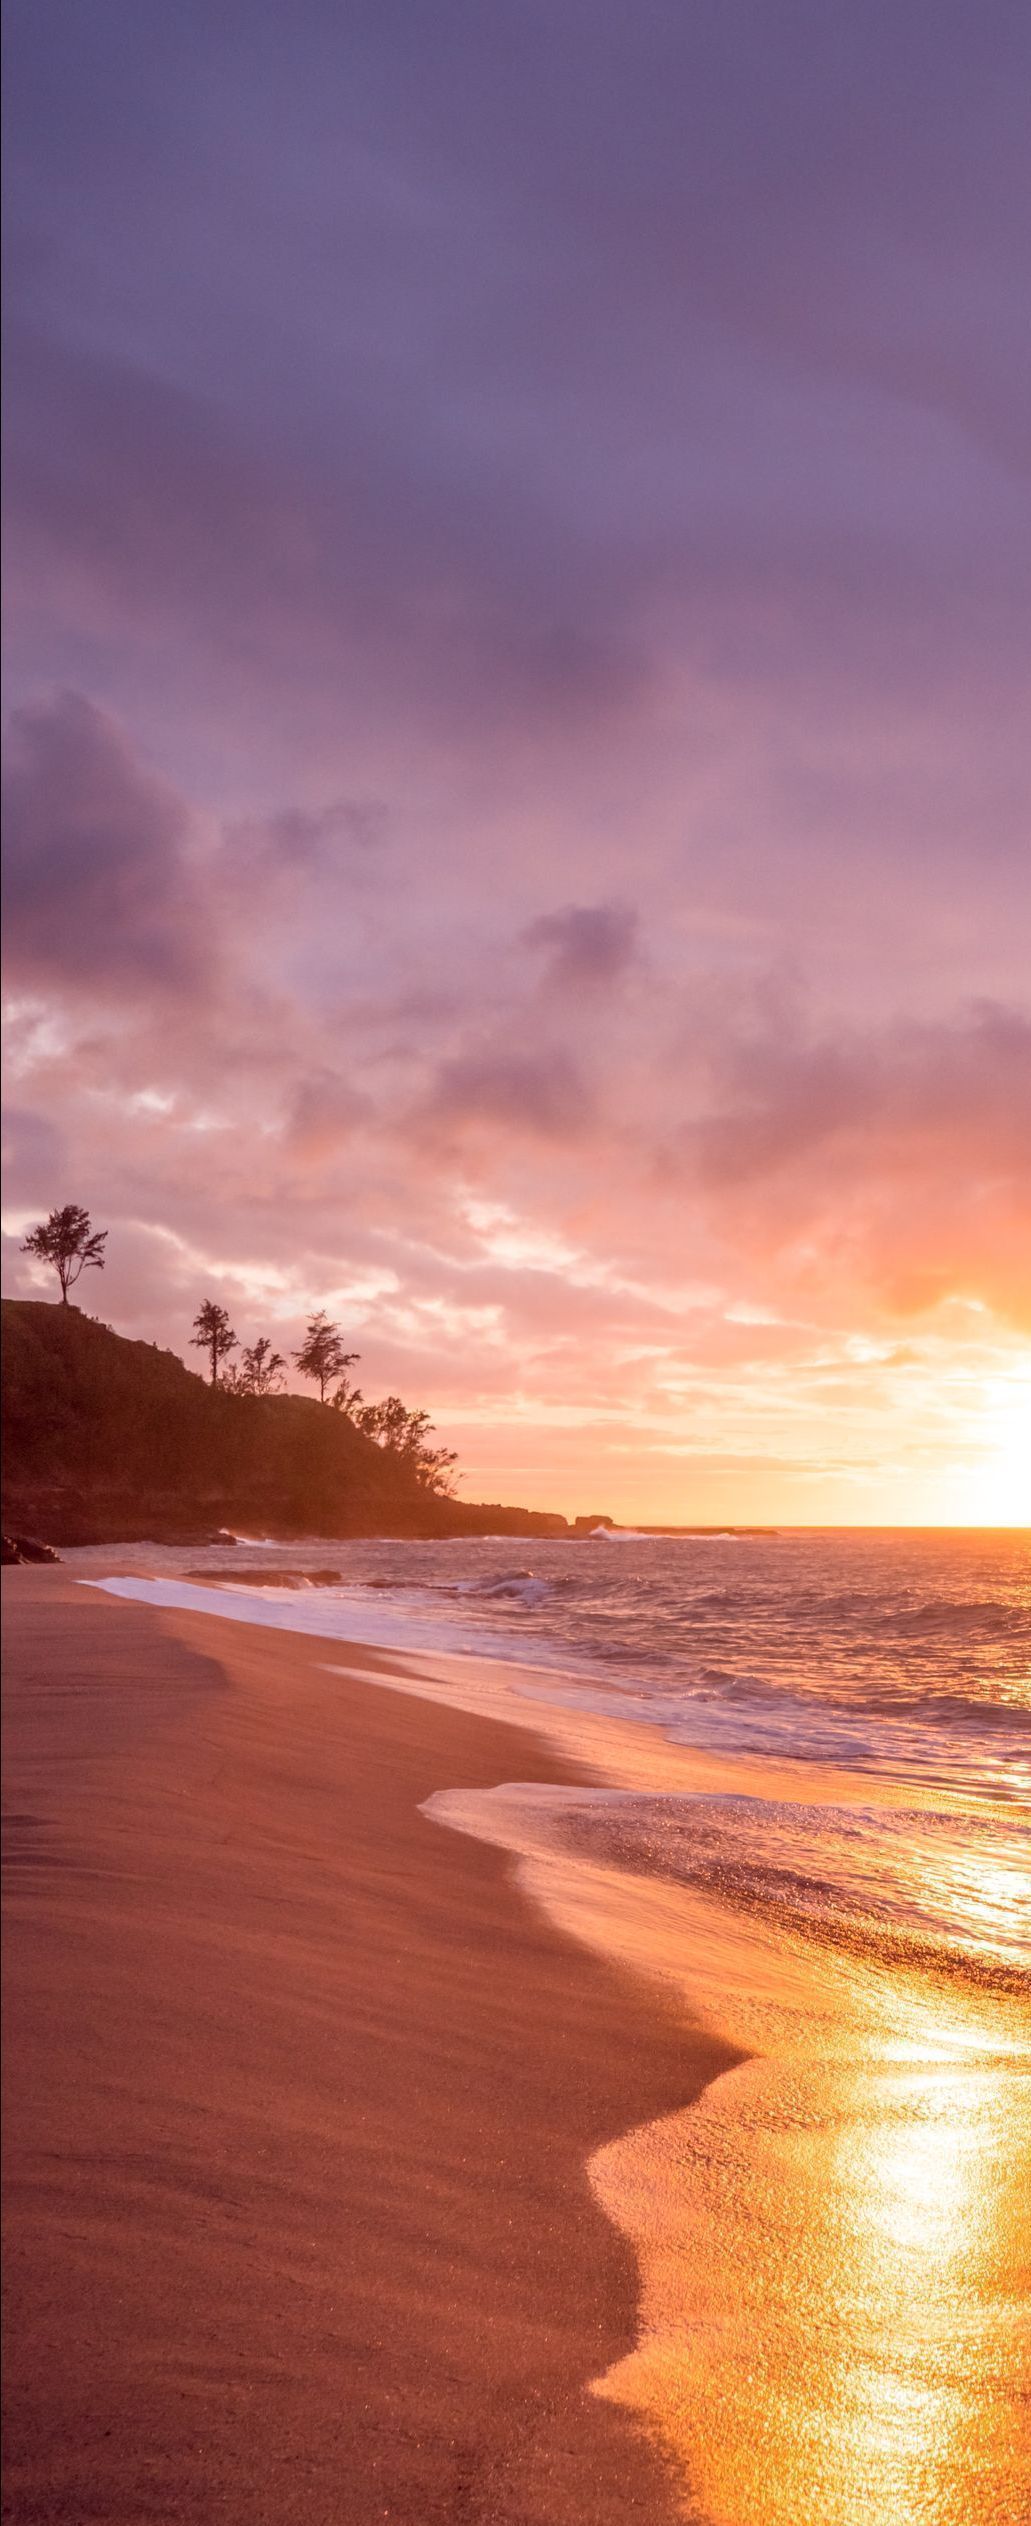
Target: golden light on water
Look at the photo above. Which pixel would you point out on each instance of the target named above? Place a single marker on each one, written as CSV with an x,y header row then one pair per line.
x,y
830,2242
922,2424
833,2239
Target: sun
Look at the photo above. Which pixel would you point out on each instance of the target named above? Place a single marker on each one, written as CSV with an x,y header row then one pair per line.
x,y
994,1489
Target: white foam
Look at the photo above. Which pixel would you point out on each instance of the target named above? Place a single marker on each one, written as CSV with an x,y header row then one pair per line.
x,y
329,1613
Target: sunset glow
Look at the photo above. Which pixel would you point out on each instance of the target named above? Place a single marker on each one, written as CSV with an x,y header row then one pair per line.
x,y
518,827
516,1253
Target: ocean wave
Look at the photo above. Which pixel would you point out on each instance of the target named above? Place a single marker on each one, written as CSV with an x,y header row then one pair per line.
x,y
897,1654
905,1704
897,1889
978,1615
516,1586
950,1710
520,1587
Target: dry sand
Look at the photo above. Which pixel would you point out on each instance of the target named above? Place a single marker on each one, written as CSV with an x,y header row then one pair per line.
x,y
300,2091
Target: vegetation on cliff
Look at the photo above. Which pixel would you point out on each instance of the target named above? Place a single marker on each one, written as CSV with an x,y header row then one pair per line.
x,y
111,1440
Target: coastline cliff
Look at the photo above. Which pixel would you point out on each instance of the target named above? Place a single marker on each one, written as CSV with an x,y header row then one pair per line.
x,y
114,1441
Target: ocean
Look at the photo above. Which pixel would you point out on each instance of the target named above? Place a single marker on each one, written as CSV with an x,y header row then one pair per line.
x,y
807,1806
900,1661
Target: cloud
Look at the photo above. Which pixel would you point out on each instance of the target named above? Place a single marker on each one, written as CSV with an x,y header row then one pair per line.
x,y
308,841
139,506
324,1113
931,1089
587,945
541,1094
35,1156
557,512
898,1158
99,890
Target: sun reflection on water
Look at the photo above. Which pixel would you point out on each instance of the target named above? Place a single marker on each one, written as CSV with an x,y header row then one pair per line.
x,y
831,2243
833,2239
921,2183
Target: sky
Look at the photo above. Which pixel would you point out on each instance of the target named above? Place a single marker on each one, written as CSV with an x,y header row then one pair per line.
x,y
517,744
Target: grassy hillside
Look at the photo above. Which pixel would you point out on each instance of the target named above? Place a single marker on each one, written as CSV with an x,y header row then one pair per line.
x,y
108,1440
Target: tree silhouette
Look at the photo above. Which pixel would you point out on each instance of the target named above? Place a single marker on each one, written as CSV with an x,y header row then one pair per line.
x,y
348,1399
322,1355
405,1434
213,1333
68,1241
260,1371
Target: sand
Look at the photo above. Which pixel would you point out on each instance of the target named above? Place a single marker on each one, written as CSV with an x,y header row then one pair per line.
x,y
300,2093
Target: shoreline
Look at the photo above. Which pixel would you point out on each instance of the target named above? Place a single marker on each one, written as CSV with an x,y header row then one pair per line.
x,y
302,2095
830,2205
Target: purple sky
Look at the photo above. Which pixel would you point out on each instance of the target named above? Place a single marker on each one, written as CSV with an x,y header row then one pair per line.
x,y
519,733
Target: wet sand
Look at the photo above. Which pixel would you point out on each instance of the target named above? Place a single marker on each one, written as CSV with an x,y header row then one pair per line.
x,y
301,2089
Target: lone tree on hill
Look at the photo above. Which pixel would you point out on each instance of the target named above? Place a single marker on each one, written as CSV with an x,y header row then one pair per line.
x,y
260,1371
213,1333
322,1355
69,1242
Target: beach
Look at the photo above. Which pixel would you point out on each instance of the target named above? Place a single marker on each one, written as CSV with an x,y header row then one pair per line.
x,y
301,2091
